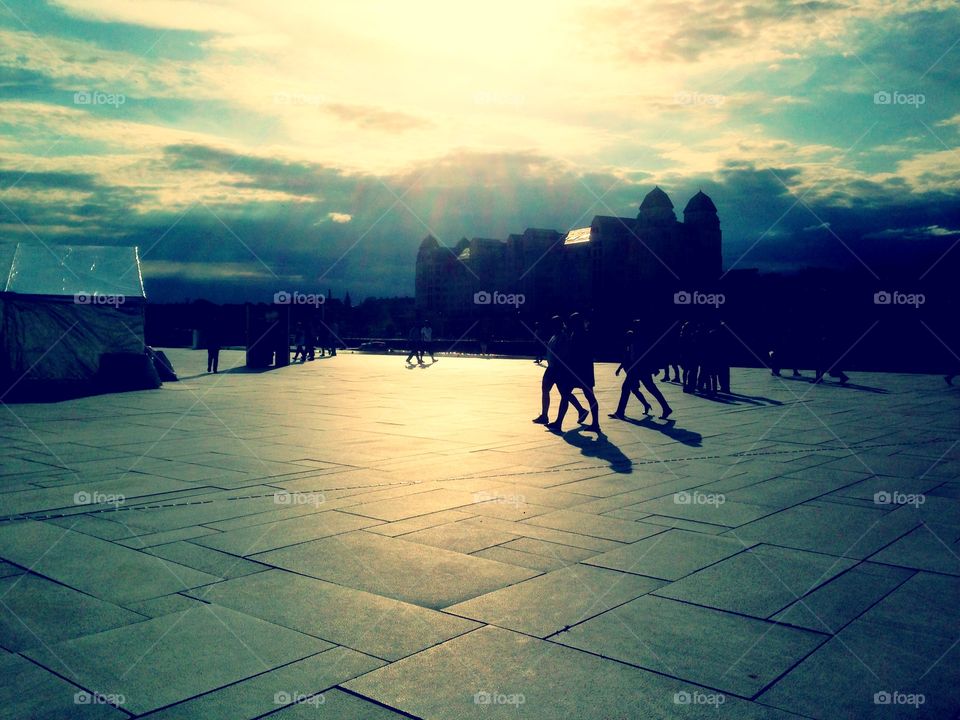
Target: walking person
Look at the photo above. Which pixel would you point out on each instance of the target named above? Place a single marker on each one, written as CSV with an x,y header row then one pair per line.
x,y
415,342
555,374
577,356
537,344
646,366
631,380
213,348
300,338
671,352
826,348
426,341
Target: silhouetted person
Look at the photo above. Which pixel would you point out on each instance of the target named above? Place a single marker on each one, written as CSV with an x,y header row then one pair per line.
x,y
631,380
538,344
690,355
213,348
577,355
555,373
646,366
828,360
300,338
311,338
722,360
334,338
426,341
671,353
414,338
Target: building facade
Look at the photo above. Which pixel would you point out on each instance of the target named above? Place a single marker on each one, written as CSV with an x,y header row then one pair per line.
x,y
613,269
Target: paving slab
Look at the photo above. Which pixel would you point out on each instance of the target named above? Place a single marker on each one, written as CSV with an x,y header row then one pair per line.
x,y
539,563
459,538
599,526
418,574
63,613
337,704
549,603
735,654
372,624
759,581
260,538
29,691
154,663
100,568
493,672
281,689
844,598
855,532
669,555
409,506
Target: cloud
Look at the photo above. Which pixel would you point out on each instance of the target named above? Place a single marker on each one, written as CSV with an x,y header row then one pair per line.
x,y
340,218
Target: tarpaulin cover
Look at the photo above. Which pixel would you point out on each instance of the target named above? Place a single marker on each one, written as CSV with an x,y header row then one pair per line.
x,y
63,307
69,270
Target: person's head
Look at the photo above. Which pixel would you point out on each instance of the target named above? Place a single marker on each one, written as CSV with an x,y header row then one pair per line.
x,y
556,323
426,323
575,322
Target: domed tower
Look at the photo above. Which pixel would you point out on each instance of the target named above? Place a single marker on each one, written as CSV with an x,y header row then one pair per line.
x,y
656,210
704,239
428,274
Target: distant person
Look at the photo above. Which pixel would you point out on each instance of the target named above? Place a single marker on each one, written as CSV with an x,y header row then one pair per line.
x,y
671,353
310,335
722,360
426,341
578,358
300,338
485,342
333,338
537,344
555,374
826,349
644,368
414,337
213,349
631,380
690,355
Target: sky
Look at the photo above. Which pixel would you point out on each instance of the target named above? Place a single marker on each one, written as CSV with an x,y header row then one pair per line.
x,y
249,147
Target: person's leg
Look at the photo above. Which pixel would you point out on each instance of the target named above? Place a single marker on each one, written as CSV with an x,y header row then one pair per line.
x,y
581,411
594,409
565,395
624,397
635,389
546,384
216,359
652,388
209,360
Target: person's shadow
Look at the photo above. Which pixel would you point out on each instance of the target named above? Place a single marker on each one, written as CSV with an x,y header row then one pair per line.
x,y
600,448
670,429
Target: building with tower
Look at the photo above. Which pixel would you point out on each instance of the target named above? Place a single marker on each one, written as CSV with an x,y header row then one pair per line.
x,y
614,269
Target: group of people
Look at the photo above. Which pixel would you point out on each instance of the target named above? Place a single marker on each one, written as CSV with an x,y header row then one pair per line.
x,y
826,356
308,341
569,356
701,350
421,342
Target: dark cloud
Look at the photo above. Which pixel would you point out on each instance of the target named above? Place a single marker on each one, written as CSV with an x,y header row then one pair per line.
x,y
255,248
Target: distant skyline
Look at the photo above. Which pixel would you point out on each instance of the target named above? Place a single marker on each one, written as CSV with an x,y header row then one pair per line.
x,y
251,147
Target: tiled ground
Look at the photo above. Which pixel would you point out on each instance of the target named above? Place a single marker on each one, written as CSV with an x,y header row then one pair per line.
x,y
354,539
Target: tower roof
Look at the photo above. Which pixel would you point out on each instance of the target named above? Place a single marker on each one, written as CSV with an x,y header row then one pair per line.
x,y
429,243
700,202
656,199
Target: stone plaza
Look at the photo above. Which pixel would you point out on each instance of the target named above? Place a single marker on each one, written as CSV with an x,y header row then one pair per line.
x,y
353,538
